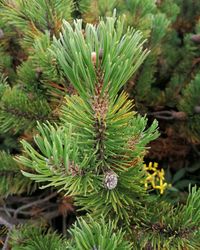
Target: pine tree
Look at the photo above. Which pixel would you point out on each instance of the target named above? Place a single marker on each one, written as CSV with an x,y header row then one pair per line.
x,y
166,85
64,95
82,153
31,90
31,87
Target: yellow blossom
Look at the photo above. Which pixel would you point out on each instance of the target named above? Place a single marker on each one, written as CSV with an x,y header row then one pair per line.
x,y
155,177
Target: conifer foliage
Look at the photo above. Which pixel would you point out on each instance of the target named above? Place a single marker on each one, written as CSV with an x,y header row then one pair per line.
x,y
81,154
81,141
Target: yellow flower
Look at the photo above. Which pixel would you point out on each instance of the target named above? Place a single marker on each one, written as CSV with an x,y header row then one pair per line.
x,y
155,177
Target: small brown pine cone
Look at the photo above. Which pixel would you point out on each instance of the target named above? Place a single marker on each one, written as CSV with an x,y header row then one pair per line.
x,y
110,180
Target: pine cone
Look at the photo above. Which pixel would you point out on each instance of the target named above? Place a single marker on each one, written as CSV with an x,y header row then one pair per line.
x,y
111,180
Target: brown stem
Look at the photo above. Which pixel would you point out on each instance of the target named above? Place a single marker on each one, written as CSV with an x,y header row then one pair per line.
x,y
100,105
5,222
169,115
11,210
34,203
100,136
5,245
51,215
64,226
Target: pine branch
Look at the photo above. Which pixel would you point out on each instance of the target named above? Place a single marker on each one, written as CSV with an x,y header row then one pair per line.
x,y
27,115
97,114
34,203
44,15
90,234
5,222
12,181
31,237
19,112
171,227
100,104
169,115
